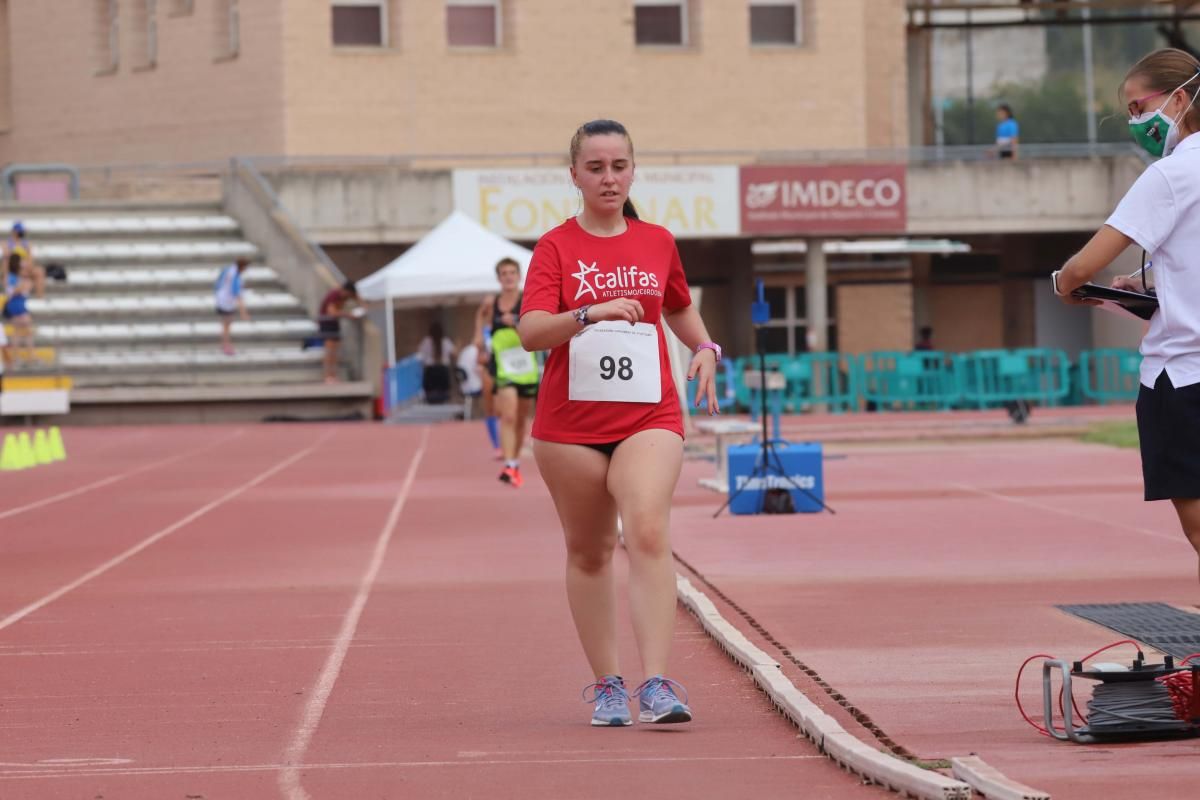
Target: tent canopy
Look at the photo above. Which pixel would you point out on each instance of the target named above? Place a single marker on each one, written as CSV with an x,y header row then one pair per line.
x,y
455,261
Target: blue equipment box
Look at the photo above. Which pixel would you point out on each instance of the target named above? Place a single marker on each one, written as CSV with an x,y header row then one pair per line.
x,y
801,463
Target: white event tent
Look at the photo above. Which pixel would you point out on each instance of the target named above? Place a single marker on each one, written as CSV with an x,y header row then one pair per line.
x,y
454,263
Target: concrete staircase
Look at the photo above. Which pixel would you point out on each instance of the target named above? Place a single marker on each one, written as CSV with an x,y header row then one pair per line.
x,y
136,319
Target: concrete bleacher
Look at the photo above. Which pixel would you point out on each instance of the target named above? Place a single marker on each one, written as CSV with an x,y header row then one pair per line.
x,y
137,307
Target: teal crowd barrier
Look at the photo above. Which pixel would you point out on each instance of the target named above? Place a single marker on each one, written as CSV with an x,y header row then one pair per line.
x,y
893,380
991,378
889,380
1110,375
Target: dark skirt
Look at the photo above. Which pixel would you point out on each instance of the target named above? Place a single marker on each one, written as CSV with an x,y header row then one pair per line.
x,y
1169,436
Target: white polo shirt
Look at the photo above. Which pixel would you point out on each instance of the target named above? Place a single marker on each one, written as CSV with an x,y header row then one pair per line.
x,y
1161,212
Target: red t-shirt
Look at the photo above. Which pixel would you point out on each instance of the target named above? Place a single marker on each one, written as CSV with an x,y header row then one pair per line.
x,y
572,268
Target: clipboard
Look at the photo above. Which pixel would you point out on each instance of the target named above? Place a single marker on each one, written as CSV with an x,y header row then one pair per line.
x,y
1119,301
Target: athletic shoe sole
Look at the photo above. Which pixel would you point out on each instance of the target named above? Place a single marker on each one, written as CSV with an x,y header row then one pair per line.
x,y
678,713
615,723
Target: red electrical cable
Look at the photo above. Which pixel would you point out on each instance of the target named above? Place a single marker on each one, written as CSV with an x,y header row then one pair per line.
x,y
1185,696
1082,718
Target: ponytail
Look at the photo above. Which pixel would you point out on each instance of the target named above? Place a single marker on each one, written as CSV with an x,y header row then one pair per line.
x,y
628,209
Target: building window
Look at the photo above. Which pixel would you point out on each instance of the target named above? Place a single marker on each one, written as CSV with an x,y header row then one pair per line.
x,y
227,41
660,22
787,330
108,36
145,33
473,23
776,22
360,23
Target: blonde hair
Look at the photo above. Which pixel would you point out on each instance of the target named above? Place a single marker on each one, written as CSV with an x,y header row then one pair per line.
x,y
1169,69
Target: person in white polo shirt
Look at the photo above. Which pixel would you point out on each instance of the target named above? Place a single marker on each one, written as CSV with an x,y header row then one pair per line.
x,y
1161,215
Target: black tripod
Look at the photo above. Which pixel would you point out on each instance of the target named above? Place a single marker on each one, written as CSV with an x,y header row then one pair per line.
x,y
768,462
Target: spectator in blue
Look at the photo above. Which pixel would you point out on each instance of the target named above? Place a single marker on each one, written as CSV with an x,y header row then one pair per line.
x,y
1008,132
228,291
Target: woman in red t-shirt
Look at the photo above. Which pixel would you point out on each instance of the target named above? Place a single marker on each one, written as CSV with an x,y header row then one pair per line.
x,y
608,430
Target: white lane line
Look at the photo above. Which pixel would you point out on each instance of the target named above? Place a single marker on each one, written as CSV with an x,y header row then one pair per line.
x,y
19,615
293,759
193,770
1179,539
45,501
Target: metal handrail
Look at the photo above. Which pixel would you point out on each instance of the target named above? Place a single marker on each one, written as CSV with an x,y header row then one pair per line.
x,y
282,211
10,172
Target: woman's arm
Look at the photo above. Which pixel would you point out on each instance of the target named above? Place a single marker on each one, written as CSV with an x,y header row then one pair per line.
x,y
1100,251
686,324
480,319
541,330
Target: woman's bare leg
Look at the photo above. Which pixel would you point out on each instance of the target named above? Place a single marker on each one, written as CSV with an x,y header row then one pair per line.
x,y
576,477
641,478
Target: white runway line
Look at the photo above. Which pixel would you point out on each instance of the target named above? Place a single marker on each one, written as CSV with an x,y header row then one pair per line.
x,y
289,776
45,501
58,772
1066,512
19,615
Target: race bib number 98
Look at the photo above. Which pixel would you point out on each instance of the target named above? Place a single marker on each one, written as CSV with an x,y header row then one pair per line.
x,y
616,362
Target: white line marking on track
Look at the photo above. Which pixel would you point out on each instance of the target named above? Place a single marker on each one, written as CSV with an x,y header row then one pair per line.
x,y
289,776
1065,512
193,770
45,501
20,614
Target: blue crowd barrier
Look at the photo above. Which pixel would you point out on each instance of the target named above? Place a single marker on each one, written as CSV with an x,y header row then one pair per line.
x,y
402,382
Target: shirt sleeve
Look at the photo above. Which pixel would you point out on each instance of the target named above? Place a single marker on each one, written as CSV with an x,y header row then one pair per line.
x,y
677,295
1148,212
543,284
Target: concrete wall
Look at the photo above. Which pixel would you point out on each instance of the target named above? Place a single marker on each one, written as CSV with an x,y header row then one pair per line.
x,y
289,91
967,316
562,62
1024,196
388,203
368,205
874,316
195,103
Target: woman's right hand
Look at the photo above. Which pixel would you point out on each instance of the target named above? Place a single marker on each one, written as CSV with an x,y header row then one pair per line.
x,y
1126,283
622,309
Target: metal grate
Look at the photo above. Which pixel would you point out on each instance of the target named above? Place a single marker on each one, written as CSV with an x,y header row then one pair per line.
x,y
1156,624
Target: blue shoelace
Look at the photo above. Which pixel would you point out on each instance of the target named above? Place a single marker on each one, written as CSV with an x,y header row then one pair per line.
x,y
608,695
658,687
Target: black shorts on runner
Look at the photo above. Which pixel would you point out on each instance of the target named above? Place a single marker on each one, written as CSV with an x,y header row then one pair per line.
x,y
330,329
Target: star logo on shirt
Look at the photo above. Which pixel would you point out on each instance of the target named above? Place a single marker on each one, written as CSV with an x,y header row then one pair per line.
x,y
584,286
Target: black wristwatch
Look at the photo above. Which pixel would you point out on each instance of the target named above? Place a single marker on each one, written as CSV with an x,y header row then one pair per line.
x,y
581,315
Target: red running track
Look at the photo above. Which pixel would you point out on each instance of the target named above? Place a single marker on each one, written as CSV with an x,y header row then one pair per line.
x,y
939,575
328,612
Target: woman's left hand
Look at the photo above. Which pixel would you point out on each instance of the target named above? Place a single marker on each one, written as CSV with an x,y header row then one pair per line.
x,y
703,370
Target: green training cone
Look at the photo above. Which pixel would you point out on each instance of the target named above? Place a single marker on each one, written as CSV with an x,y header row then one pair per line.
x,y
41,447
57,450
25,449
9,460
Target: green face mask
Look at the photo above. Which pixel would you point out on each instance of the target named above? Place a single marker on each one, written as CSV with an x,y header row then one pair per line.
x,y
1154,131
